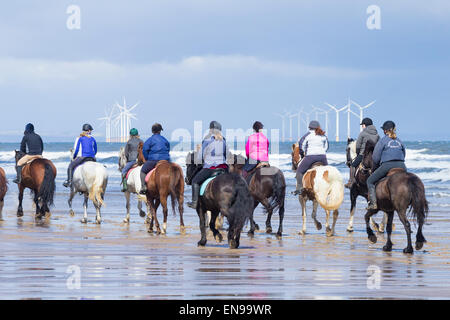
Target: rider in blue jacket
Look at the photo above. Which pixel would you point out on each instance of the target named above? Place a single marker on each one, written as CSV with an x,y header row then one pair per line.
x,y
155,149
86,146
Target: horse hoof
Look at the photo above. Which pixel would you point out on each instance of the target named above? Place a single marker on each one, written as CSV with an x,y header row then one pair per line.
x,y
350,230
373,238
381,228
251,234
20,214
279,235
201,243
182,229
142,214
84,220
233,244
218,238
98,221
319,226
256,227
408,250
269,230
387,248
302,232
419,245
329,232
72,213
126,220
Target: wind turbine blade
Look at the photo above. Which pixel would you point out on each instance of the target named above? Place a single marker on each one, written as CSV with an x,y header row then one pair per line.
x,y
365,107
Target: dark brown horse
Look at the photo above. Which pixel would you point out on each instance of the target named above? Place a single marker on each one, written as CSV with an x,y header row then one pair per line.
x,y
166,179
3,190
39,176
228,195
268,187
397,192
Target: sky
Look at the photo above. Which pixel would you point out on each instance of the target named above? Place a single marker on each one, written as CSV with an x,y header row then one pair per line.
x,y
231,61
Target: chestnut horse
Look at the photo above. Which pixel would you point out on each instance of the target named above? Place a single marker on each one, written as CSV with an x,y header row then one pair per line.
x,y
268,187
39,176
399,191
166,179
3,190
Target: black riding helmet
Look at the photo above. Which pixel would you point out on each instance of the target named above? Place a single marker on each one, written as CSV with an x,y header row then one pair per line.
x,y
367,122
388,125
215,125
87,127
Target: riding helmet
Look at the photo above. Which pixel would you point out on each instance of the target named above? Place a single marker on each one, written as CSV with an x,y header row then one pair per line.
x,y
215,125
87,127
388,125
314,124
29,127
367,122
156,128
134,132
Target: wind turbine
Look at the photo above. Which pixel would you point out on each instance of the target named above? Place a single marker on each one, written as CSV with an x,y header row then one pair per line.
x,y
125,117
337,117
322,111
291,116
361,110
283,124
108,122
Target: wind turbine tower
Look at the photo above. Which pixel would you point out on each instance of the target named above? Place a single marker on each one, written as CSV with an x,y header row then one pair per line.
x,y
337,117
361,110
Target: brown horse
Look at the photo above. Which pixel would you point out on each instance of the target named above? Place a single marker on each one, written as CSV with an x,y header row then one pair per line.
x,y
3,190
268,187
39,176
397,192
166,179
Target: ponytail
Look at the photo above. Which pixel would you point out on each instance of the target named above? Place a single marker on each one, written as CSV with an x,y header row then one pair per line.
x,y
391,133
319,132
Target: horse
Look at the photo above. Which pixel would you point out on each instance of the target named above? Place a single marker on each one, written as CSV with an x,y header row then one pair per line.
x,y
227,194
3,190
322,185
268,187
398,191
164,180
359,188
39,176
133,186
89,179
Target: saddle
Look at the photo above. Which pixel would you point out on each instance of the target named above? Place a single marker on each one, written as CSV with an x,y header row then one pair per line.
x,y
252,172
216,173
148,176
131,169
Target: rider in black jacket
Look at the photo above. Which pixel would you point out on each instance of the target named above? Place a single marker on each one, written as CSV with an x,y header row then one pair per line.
x,y
32,146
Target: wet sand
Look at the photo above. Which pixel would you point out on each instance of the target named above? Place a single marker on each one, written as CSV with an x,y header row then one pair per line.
x,y
119,261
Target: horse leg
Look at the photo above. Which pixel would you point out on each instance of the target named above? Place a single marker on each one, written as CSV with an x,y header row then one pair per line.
x,y
335,216
165,213
420,239
388,245
141,212
127,197
371,235
303,205
20,209
98,218
353,196
212,226
269,210
2,202
85,206
314,215
281,216
202,218
154,204
71,196
407,226
253,225
38,214
181,212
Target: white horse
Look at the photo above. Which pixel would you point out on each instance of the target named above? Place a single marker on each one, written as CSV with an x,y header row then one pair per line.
x,y
89,179
133,186
323,185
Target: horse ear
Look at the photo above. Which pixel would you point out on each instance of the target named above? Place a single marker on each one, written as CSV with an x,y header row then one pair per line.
x,y
293,146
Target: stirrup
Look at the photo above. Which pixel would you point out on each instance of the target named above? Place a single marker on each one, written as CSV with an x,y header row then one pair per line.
x,y
67,183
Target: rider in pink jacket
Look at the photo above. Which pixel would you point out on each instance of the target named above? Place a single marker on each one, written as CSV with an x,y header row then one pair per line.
x,y
256,149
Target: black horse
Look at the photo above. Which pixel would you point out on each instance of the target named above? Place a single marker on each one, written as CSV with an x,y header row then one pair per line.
x,y
268,187
227,194
397,192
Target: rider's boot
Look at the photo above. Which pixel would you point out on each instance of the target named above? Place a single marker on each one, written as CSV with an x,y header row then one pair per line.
x,y
68,182
299,189
143,183
352,179
18,180
372,202
195,194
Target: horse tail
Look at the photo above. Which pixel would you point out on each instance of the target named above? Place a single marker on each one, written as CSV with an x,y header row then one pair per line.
x,y
279,191
97,190
241,204
419,203
47,188
175,186
331,189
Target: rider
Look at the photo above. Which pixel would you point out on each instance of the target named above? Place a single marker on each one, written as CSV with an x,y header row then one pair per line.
x,y
86,145
131,154
313,147
213,155
256,149
155,149
35,146
369,133
389,153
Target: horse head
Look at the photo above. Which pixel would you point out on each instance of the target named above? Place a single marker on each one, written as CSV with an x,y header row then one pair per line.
x,y
191,167
18,155
350,151
295,156
122,158
141,158
367,157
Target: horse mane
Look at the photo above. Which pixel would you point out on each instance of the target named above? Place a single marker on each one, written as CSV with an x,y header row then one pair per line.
x,y
370,145
141,158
